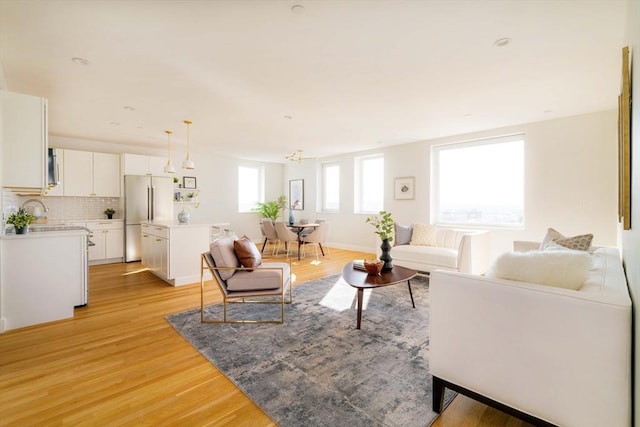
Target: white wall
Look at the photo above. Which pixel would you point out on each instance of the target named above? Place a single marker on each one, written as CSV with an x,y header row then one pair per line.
x,y
631,238
570,183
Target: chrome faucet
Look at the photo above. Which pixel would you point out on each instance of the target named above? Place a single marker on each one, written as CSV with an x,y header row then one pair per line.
x,y
46,209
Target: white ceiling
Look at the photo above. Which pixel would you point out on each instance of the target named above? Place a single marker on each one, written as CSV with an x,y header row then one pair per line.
x,y
350,74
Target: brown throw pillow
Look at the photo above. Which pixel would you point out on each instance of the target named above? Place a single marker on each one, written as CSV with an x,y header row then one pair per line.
x,y
247,253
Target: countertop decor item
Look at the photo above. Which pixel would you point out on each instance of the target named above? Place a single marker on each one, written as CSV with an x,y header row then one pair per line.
x,y
184,215
21,220
109,212
383,223
373,266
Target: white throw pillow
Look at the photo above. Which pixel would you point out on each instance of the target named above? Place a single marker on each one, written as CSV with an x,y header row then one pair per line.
x,y
562,269
423,235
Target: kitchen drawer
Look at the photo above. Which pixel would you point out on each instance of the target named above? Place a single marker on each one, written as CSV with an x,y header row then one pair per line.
x,y
156,230
105,225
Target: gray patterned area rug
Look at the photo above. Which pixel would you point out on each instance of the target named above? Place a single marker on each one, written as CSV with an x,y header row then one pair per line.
x,y
317,369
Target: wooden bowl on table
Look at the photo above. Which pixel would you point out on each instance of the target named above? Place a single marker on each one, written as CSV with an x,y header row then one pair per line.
x,y
373,266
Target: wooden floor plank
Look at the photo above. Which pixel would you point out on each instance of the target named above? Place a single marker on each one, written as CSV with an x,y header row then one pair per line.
x,y
118,362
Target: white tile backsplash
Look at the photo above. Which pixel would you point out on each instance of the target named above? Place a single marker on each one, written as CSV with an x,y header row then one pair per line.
x,y
65,208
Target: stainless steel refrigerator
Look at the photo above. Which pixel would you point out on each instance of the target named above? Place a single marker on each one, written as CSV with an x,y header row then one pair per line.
x,y
146,198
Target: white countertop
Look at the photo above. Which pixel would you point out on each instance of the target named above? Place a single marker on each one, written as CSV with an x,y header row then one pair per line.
x,y
45,234
172,224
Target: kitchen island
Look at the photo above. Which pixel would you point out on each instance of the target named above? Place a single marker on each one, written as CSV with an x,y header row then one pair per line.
x,y
44,276
171,250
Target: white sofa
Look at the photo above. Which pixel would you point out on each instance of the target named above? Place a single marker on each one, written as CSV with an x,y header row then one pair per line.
x,y
549,355
466,251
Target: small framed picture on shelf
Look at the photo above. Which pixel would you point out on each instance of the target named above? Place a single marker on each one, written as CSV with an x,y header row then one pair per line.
x,y
189,182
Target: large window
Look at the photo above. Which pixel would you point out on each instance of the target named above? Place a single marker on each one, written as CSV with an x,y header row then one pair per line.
x,y
369,184
250,187
479,182
330,187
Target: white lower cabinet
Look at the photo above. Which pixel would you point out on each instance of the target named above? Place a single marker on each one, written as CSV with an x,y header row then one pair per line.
x,y
108,239
43,276
155,249
172,252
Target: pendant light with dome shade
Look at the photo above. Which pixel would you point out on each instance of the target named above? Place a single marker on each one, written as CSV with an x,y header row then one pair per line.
x,y
187,163
169,168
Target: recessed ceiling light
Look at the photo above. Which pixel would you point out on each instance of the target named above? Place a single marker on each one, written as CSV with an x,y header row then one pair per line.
x,y
80,61
114,124
468,115
502,42
298,8
288,117
129,108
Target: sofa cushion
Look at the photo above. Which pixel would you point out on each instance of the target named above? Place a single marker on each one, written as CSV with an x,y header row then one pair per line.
x,y
402,234
424,235
579,243
562,269
247,252
267,276
224,255
426,255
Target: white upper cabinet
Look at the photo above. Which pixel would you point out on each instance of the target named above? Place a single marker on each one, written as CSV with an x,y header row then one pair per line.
x,y
24,140
91,174
136,164
106,174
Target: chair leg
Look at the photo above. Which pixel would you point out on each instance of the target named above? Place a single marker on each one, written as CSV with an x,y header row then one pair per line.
x,y
264,245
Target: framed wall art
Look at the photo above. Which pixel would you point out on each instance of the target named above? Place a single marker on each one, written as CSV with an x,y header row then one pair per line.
x,y
189,182
404,188
624,144
296,194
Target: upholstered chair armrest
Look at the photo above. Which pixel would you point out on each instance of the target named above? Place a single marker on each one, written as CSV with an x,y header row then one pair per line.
x,y
525,246
514,342
473,253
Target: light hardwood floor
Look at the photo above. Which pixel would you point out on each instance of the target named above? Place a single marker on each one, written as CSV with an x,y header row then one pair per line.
x,y
118,362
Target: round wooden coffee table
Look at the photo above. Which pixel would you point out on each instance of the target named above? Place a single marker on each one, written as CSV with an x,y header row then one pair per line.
x,y
361,280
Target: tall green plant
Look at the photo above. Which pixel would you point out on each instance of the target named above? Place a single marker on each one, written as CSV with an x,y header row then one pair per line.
x,y
272,209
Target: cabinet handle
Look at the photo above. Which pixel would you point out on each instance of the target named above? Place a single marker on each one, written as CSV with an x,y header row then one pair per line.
x,y
145,235
158,240
159,228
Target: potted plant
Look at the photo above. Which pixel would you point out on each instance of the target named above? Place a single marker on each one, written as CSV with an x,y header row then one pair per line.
x,y
21,220
109,212
384,225
272,209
